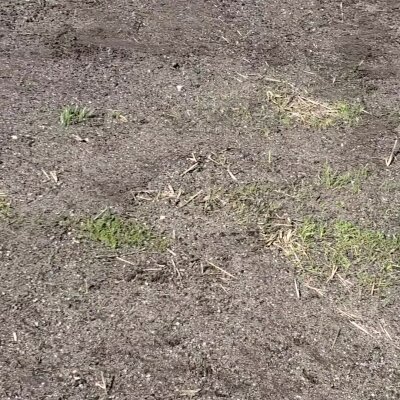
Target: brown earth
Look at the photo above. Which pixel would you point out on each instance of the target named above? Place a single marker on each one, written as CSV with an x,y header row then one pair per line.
x,y
190,78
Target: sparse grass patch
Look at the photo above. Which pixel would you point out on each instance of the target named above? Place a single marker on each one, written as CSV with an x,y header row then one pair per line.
x,y
293,106
118,116
253,202
348,113
114,232
71,115
213,201
332,179
328,248
5,206
237,109
322,248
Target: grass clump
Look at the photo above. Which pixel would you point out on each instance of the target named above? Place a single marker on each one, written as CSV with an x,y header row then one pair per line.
x,y
295,107
325,249
332,179
5,206
115,232
253,202
71,115
349,113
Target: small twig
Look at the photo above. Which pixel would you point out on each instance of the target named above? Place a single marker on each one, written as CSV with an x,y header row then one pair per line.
x,y
152,269
224,38
345,282
336,338
193,158
54,176
333,273
125,261
176,270
103,384
384,330
191,168
221,270
390,159
271,79
223,288
296,286
214,161
243,76
361,328
341,10
171,252
191,199
144,191
349,315
100,214
373,288
171,190
319,291
231,175
46,174
144,198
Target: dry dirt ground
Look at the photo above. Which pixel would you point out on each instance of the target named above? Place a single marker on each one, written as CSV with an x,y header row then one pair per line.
x,y
225,223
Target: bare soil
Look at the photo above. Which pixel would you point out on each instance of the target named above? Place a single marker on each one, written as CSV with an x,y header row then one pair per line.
x,y
81,321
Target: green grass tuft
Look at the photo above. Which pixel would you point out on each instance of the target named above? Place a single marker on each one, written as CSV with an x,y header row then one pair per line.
x,y
115,232
71,115
332,179
369,257
5,206
348,113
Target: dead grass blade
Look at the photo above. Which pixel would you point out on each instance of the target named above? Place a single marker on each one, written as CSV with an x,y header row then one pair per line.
x,y
231,175
336,338
221,270
333,273
125,261
176,270
384,330
392,155
190,199
190,169
349,315
318,291
296,286
362,328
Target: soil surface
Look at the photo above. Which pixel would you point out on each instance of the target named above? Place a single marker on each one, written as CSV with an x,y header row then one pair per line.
x,y
178,91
